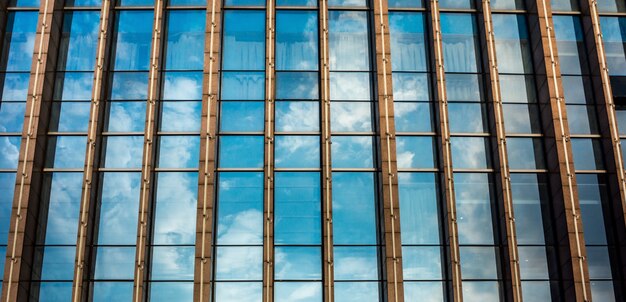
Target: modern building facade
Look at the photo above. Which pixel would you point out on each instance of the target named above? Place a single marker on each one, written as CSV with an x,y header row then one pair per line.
x,y
309,151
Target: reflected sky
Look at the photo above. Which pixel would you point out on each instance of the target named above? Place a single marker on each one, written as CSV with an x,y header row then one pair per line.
x,y
238,291
473,205
132,40
410,87
250,116
467,117
356,263
297,151
20,34
63,208
350,86
10,150
412,117
521,118
79,40
533,262
348,39
178,151
353,198
587,154
614,37
119,207
298,263
129,86
112,291
478,262
172,263
529,196
469,153
293,116
298,291
415,152
296,40
73,86
357,291
423,291
171,291
58,263
517,88
239,263
459,37
240,210
421,262
176,202
241,151
55,291
185,39
481,291
243,85
7,185
123,151
512,43
352,152
66,152
69,116
297,85
243,45
418,203
126,116
525,153
408,51
297,212
181,116
14,86
182,86
11,117
351,116
115,263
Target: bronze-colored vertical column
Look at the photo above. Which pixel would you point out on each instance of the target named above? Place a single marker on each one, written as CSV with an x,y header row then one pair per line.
x,y
268,165
147,180
92,156
26,200
206,177
3,19
571,243
511,272
327,205
388,164
608,128
454,266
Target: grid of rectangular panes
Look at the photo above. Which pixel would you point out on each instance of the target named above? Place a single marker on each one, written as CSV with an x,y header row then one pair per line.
x,y
65,155
177,156
354,172
121,154
422,251
525,154
587,151
15,64
471,158
297,187
238,269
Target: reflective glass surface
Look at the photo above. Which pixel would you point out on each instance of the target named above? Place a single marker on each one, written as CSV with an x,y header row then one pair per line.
x,y
79,41
183,85
413,117
410,87
19,40
405,3
421,263
296,40
348,39
612,6
244,42
178,151
240,211
175,208
569,35
614,38
530,197
241,151
115,263
126,116
132,40
418,203
408,51
525,153
350,86
239,263
119,208
356,263
296,151
352,152
244,116
470,153
123,151
65,116
507,4
354,208
565,5
297,85
512,43
459,36
181,116
66,152
473,205
298,263
415,152
7,185
294,116
61,218
172,263
243,85
587,154
185,39
351,116
297,214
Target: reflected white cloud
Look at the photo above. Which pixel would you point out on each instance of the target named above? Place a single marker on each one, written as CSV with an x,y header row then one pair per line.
x,y
10,151
297,152
11,117
172,263
348,39
115,263
181,116
481,291
183,86
478,262
352,152
423,291
126,116
356,263
298,263
469,152
15,86
63,209
297,116
350,86
298,291
351,116
124,151
75,86
356,291
176,203
179,151
239,263
238,291
119,208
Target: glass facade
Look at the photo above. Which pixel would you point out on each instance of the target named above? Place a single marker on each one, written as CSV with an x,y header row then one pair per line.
x,y
106,106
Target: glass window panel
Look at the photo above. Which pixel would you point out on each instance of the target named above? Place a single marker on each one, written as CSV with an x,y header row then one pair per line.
x,y
309,3
171,291
603,290
592,192
238,291
356,263
470,153
296,40
7,185
129,86
123,151
10,150
243,116
11,117
348,37
61,219
245,3
612,6
298,263
536,290
418,202
172,263
564,5
112,291
507,4
410,87
598,261
244,42
297,211
239,263
179,151
119,208
240,208
412,117
423,291
516,88
297,85
352,152
480,291
73,86
243,85
66,152
14,86
521,118
582,119
473,205
182,86
241,151
357,291
587,154
185,39
467,117
620,114
19,40
525,153
296,116
132,39
408,49
126,116
83,2
58,263
181,116
79,40
115,263
24,3
459,38
65,116
533,262
354,208
406,3
463,87
297,151
135,2
54,291
614,37
298,291
176,203
349,3
456,4
478,262
512,43
570,44
415,152
421,262
530,195
350,86
351,116
577,90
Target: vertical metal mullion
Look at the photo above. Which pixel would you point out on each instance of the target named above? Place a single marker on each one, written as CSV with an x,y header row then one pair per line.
x,y
560,162
147,179
511,270
208,141
446,156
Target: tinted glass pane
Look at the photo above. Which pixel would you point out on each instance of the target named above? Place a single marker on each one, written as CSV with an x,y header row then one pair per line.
x,y
357,291
415,152
351,3
587,154
179,151
477,291
614,37
296,40
244,42
83,2
126,116
58,263
115,263
54,291
240,208
112,291
418,202
530,195
119,208
181,116
297,85
356,263
79,41
463,87
410,87
66,116
536,290
182,86
421,263
239,263
467,117
7,185
123,151
348,39
66,152
298,291
408,51
415,291
533,262
507,4
297,151
577,90
603,290
520,118
10,148
456,4
352,152
132,40
297,116
350,86
469,153
19,41
517,88
176,203
243,86
412,117
14,86
298,263
473,205
612,6
582,119
185,39
11,117
592,192
525,153
459,39
406,3
63,208
354,208
135,2
241,151
297,215
24,3
351,117
569,35
243,116
245,2
310,3
129,86
238,291
478,263
564,5
512,43
599,266
171,291
172,263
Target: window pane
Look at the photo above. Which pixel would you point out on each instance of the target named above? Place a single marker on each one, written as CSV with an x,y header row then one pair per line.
x,y
530,195
477,291
126,116
592,192
525,153
350,86
242,116
459,38
410,87
65,116
79,41
297,197
10,147
14,86
243,85
533,262
119,208
356,263
412,117
182,85
298,291
478,262
582,119
54,291
351,116
469,153
298,263
587,154
421,263
61,219
473,205
569,35
176,204
564,5
352,152
418,202
244,38
416,291
463,87
467,117
239,263
456,4
112,291
241,151
238,291
66,152
614,37
357,291
171,291
185,39
415,152
512,43
115,263
181,116
354,208
297,116
7,185
297,85
348,38
20,41
58,263
408,50
244,3
296,40
123,151
598,261
129,86
172,263
132,40
240,208
521,118
73,86
179,151
309,3
508,4
517,88
537,290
